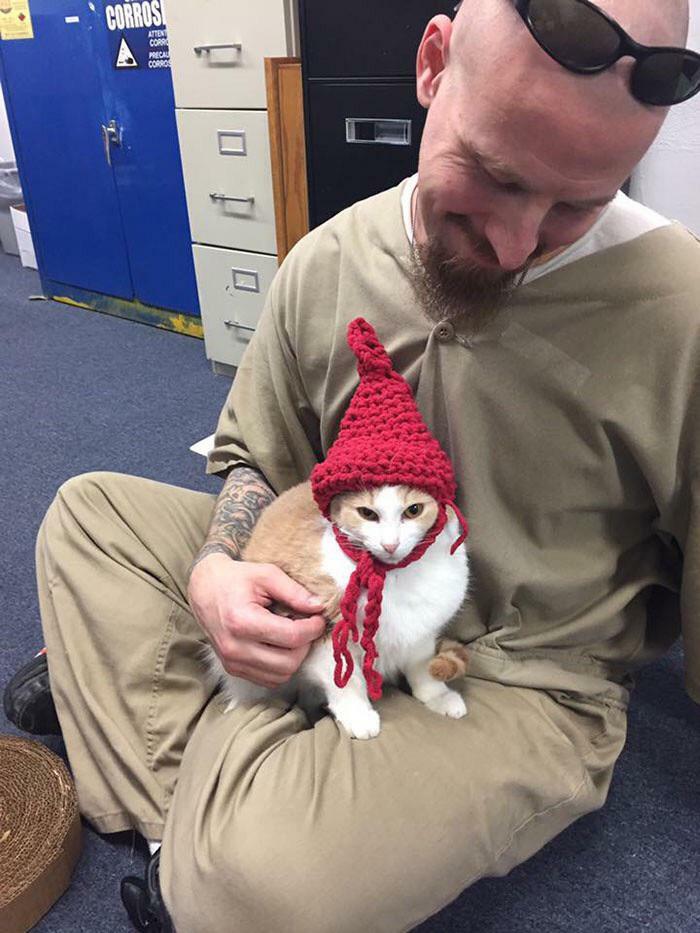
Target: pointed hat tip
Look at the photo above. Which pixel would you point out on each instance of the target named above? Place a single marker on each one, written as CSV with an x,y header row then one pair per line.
x,y
371,355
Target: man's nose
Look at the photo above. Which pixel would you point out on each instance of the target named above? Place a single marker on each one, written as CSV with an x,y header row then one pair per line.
x,y
515,236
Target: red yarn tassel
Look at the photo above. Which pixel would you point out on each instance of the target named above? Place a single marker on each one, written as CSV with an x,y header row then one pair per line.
x,y
375,590
343,629
465,528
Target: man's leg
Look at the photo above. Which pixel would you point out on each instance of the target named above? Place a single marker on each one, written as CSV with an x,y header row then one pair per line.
x,y
279,826
113,554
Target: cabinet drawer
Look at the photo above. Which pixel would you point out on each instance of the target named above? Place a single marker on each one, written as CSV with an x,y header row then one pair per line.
x,y
228,179
218,47
370,39
362,139
232,286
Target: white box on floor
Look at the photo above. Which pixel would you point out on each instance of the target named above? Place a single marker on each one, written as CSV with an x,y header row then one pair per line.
x,y
10,193
8,237
24,236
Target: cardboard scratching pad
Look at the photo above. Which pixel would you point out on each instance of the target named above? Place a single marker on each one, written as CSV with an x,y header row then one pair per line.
x,y
40,833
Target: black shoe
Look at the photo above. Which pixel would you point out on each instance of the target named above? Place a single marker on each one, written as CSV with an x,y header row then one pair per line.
x,y
27,699
143,902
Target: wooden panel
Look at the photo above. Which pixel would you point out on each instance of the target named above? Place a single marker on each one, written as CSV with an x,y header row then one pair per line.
x,y
287,151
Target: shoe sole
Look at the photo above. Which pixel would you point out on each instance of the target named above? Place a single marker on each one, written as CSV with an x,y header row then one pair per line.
x,y
27,699
143,901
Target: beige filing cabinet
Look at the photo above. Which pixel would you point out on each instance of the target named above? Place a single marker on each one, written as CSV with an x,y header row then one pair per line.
x,y
217,52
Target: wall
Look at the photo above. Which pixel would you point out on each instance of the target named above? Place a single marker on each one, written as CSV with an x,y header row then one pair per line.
x,y
667,178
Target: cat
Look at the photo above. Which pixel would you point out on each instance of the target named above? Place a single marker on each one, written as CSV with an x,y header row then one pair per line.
x,y
418,600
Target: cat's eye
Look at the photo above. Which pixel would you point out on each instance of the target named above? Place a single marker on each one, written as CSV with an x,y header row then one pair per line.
x,y
368,514
413,511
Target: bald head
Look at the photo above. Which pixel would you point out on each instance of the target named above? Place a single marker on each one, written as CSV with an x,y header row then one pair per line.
x,y
491,47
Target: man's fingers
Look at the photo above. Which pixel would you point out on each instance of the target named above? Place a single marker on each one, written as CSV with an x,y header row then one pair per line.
x,y
266,660
264,626
288,591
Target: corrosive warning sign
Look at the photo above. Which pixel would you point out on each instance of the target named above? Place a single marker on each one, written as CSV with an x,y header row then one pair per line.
x,y
125,57
137,32
15,20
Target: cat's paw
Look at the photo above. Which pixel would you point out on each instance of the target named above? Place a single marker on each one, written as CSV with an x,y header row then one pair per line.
x,y
449,704
360,723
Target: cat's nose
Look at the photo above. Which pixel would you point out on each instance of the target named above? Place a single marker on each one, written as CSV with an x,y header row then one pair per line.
x,y
390,548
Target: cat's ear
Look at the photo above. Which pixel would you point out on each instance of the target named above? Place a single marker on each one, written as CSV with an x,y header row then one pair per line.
x,y
450,662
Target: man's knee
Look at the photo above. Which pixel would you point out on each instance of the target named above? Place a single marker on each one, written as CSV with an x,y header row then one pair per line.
x,y
73,519
76,497
84,488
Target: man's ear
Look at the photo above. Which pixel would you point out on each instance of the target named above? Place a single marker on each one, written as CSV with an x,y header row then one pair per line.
x,y
432,58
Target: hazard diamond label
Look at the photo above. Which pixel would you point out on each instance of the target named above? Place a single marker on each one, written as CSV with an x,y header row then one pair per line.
x,y
138,37
15,20
125,57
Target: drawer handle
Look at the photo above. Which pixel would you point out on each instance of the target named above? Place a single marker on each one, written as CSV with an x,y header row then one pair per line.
x,y
198,49
241,326
229,197
378,132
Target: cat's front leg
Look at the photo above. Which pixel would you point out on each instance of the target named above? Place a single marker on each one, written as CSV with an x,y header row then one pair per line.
x,y
434,693
349,705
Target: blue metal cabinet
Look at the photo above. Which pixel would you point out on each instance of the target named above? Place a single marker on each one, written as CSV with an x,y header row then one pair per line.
x,y
98,152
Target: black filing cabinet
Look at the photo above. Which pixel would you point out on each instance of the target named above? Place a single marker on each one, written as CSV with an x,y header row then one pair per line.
x,y
363,120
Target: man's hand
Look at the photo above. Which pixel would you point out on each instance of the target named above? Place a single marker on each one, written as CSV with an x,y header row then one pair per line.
x,y
229,599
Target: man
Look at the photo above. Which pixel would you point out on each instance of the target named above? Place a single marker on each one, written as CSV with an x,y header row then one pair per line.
x,y
549,329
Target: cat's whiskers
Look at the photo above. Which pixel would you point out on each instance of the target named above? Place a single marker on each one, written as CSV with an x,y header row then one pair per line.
x,y
352,536
378,553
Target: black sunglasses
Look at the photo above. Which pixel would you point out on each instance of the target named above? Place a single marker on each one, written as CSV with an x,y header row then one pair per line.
x,y
584,39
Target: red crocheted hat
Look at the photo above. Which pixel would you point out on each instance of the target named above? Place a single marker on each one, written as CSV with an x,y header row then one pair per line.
x,y
382,440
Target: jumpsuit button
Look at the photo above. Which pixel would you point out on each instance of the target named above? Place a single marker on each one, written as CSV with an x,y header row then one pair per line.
x,y
445,332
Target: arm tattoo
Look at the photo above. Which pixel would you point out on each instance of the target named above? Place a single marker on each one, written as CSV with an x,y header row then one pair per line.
x,y
244,496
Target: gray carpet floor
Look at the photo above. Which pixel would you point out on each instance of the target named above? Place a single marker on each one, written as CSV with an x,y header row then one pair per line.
x,y
82,391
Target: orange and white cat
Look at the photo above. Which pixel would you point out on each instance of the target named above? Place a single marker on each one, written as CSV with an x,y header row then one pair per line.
x,y
418,600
